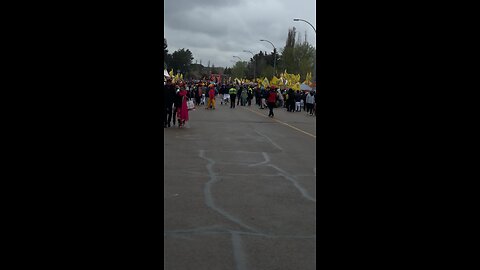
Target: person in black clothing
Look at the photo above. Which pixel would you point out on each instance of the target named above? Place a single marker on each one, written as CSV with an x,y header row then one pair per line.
x,y
164,107
257,95
304,98
298,98
169,100
197,96
263,98
239,93
177,102
191,92
291,100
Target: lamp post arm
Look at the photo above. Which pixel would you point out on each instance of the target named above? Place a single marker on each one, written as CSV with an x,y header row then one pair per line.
x,y
308,23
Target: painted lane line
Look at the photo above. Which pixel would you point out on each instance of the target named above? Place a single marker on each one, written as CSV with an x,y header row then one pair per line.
x,y
288,125
238,254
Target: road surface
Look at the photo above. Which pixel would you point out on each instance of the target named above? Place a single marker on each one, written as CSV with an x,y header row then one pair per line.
x,y
239,190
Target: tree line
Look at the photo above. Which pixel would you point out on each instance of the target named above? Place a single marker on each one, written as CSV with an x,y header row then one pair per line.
x,y
297,57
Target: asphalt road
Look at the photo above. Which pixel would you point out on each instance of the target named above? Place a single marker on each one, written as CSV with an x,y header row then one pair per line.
x,y
239,190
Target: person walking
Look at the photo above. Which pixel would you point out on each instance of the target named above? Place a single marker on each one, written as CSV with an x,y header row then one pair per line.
x,y
244,97
280,98
291,100
239,92
304,101
182,110
257,95
310,99
205,92
271,100
263,96
233,95
177,102
222,93
169,100
250,96
198,95
211,98
298,98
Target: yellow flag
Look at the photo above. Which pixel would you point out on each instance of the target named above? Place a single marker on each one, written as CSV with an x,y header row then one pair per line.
x,y
171,73
181,76
274,81
265,82
288,79
308,78
177,77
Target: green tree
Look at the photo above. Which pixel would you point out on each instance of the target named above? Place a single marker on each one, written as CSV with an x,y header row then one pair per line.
x,y
181,60
304,57
297,56
288,54
165,45
239,70
165,53
268,72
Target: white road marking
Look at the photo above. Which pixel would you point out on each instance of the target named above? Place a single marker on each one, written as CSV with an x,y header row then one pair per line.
x,y
309,134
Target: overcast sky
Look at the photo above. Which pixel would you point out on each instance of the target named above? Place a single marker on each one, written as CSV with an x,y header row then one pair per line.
x,y
216,30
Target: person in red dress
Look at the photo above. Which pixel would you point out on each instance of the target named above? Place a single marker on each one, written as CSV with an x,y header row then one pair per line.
x,y
182,111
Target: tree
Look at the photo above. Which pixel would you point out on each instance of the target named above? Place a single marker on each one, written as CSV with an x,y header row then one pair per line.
x,y
239,69
297,56
304,56
165,53
268,72
291,38
181,60
288,57
227,71
165,45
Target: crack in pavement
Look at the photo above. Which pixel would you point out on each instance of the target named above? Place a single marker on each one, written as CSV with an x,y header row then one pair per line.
x,y
208,194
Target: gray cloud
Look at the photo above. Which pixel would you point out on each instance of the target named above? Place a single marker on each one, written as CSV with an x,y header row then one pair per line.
x,y
216,30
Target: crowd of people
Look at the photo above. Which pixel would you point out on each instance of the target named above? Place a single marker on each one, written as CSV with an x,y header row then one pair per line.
x,y
205,93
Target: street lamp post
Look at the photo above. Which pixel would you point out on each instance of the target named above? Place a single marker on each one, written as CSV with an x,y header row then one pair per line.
x,y
274,55
254,65
315,60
